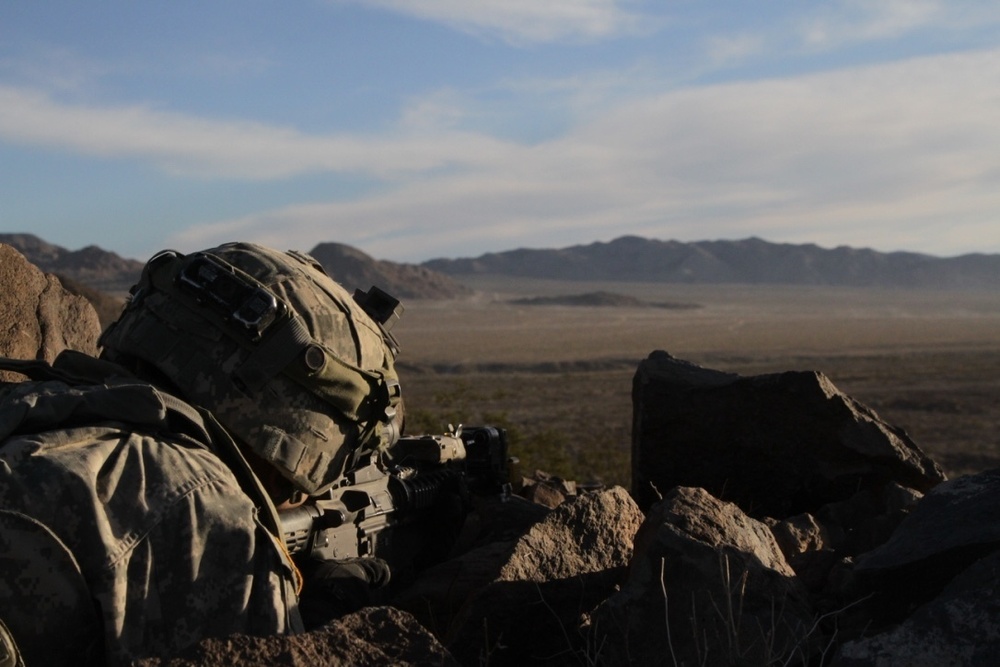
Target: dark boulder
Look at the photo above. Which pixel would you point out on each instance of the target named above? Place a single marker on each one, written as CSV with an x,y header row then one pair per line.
x,y
952,527
958,628
777,445
960,515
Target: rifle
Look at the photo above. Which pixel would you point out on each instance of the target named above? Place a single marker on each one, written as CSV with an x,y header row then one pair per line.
x,y
407,506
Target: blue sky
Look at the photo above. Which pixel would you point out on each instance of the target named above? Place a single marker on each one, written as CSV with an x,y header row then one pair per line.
x,y
445,128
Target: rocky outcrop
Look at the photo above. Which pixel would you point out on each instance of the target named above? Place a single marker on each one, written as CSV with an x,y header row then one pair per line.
x,y
38,317
776,445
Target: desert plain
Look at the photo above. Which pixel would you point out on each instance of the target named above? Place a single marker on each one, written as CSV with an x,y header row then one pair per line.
x,y
559,377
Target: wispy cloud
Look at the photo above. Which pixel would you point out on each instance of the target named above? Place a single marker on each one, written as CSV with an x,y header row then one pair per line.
x,y
834,28
57,68
191,146
524,20
724,49
864,20
856,154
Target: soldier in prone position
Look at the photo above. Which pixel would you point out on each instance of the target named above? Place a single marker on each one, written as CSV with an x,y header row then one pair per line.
x,y
139,491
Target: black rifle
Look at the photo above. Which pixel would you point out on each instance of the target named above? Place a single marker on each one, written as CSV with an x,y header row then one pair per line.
x,y
405,507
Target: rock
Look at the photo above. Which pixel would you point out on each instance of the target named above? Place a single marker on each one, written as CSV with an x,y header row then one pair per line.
x,y
957,629
546,489
591,534
867,519
799,534
108,307
953,526
558,571
777,445
440,591
963,513
375,636
707,585
38,318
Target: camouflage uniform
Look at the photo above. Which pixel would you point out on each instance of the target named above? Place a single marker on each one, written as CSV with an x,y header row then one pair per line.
x,y
172,547
145,504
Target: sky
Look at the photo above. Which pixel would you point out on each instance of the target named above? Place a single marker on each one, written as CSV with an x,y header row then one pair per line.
x,y
418,129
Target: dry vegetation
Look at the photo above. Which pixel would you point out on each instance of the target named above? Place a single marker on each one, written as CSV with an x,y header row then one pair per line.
x,y
559,377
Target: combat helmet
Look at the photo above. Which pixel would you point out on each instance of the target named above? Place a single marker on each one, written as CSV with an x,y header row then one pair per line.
x,y
293,365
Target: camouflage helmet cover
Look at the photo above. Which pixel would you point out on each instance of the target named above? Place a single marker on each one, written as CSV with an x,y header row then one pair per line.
x,y
278,351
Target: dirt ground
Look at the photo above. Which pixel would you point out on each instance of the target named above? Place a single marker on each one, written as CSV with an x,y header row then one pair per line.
x,y
559,377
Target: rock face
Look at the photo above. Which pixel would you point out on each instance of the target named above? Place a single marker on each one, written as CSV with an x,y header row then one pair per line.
x,y
776,445
38,317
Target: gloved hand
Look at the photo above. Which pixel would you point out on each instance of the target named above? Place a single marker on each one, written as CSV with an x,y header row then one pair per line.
x,y
333,588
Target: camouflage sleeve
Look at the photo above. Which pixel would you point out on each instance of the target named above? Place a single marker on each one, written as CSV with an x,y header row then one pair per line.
x,y
171,548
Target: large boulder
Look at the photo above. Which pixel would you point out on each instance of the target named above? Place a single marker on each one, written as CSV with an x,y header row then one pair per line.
x,y
956,518
952,527
371,637
708,585
38,317
958,628
777,445
562,568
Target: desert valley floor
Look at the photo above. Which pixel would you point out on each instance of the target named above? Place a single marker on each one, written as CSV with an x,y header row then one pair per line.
x,y
559,377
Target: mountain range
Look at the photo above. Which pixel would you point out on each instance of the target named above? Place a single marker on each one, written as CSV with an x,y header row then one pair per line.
x,y
747,261
626,259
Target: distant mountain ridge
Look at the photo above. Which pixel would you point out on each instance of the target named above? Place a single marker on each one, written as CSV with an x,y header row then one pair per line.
x,y
356,270
748,261
625,259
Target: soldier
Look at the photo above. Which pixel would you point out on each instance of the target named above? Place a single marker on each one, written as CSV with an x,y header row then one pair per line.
x,y
139,491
